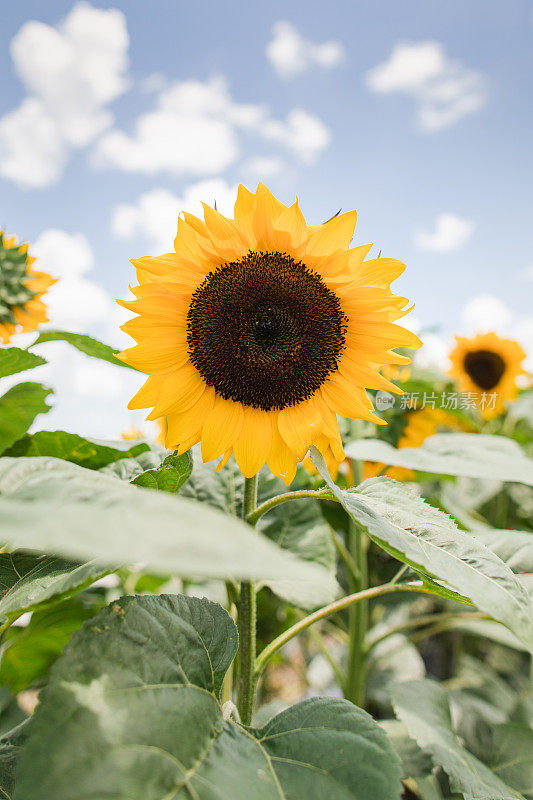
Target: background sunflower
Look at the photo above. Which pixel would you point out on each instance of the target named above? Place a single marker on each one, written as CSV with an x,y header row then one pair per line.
x,y
21,289
257,331
488,365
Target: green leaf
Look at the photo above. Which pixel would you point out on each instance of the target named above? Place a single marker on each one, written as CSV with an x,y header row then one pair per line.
x,y
424,709
29,652
515,548
131,713
429,541
86,344
13,360
169,476
512,757
473,455
18,408
71,447
27,580
11,744
415,763
60,508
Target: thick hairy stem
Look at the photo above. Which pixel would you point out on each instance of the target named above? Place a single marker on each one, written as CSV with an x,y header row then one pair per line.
x,y
247,624
358,620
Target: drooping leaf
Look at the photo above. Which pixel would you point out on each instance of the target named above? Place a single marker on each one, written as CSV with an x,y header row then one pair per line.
x,y
18,408
27,580
415,763
169,476
86,344
13,360
63,509
71,447
428,540
424,709
472,455
131,711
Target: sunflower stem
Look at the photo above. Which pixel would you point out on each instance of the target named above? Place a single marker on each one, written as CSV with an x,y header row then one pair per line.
x,y
354,689
300,494
327,611
247,623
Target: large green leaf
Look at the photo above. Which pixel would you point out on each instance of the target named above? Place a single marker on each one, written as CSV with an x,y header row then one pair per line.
x,y
18,408
27,580
13,360
71,447
424,709
60,508
473,455
427,539
169,476
86,344
131,713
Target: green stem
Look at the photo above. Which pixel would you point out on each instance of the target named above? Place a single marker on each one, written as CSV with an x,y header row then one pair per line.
x,y
327,611
301,494
421,622
247,624
358,621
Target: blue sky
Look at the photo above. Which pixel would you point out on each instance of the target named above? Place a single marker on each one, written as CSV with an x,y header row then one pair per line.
x,y
418,114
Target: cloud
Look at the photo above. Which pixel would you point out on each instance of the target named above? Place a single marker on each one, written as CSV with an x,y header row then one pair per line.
x,y
71,73
75,302
527,273
486,313
450,233
263,166
154,216
445,90
291,54
196,129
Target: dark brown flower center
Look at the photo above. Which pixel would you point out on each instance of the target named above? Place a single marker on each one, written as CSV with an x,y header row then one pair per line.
x,y
485,368
265,331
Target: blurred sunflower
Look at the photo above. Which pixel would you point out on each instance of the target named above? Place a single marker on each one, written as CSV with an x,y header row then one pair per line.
x,y
257,331
488,365
420,424
21,289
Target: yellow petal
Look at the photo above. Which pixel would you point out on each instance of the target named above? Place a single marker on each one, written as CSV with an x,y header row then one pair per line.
x,y
187,425
255,440
221,428
281,460
333,235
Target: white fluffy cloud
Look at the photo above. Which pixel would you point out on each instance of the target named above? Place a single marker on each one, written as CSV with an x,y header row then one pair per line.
x,y
450,233
196,129
291,54
75,302
488,313
155,214
71,73
445,90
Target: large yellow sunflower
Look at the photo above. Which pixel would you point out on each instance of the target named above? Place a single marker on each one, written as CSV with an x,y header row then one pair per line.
x,y
257,331
21,289
488,366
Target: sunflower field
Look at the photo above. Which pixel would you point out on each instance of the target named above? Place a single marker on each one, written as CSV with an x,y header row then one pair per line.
x,y
314,580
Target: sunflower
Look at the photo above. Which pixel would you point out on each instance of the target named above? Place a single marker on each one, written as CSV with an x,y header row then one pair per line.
x,y
420,424
257,331
21,289
488,366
